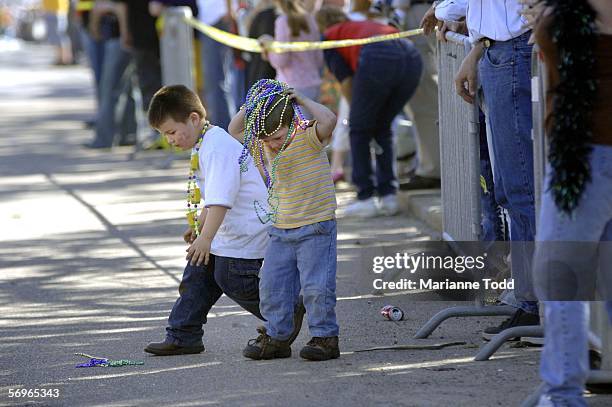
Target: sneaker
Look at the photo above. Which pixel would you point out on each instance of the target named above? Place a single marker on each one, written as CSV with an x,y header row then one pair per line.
x,y
389,205
519,318
298,317
362,209
170,349
319,349
264,347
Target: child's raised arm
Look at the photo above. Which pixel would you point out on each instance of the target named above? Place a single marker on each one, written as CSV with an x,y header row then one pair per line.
x,y
236,126
326,119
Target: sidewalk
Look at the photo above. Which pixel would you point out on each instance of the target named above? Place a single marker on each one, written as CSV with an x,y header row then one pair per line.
x,y
90,259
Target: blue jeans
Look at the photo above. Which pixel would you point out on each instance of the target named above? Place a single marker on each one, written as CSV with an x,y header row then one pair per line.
x,y
301,257
388,75
505,76
564,361
491,225
201,287
116,61
95,54
216,60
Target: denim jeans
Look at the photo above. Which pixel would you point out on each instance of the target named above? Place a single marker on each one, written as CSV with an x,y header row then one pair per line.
x,y
116,61
492,228
505,76
388,75
95,54
202,286
216,61
564,361
301,257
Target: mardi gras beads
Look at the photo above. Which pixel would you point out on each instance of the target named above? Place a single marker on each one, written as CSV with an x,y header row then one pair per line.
x,y
104,362
262,99
194,195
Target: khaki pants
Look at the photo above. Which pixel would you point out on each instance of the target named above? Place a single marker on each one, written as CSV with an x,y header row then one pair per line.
x,y
424,103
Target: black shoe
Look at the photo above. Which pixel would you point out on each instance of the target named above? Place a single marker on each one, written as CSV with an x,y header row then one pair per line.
x,y
264,347
298,317
319,349
418,182
170,349
595,364
519,318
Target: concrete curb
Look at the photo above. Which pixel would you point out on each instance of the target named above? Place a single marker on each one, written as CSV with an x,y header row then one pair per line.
x,y
424,205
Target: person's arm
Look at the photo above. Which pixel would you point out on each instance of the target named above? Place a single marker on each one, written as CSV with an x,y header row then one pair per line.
x,y
346,88
221,186
468,73
101,7
236,126
451,10
189,235
124,30
199,251
325,118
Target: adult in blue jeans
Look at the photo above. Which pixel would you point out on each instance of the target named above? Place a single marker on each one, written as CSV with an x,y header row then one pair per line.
x,y
104,25
501,59
574,236
378,80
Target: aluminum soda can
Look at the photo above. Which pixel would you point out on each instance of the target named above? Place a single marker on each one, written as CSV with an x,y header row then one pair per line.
x,y
392,313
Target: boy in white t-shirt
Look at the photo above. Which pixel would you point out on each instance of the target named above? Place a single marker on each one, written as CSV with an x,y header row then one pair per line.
x,y
227,240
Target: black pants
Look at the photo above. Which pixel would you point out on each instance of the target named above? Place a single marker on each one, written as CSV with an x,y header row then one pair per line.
x,y
148,70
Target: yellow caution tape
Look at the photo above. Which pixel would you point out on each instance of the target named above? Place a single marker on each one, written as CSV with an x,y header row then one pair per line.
x,y
253,45
84,5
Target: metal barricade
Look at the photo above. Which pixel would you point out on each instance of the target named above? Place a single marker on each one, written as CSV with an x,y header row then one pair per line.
x,y
177,62
459,147
176,48
460,171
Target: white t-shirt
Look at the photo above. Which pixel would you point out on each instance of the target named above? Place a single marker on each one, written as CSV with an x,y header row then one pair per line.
x,y
241,235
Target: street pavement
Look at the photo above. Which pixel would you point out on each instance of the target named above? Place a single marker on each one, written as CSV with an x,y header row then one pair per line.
x,y
90,260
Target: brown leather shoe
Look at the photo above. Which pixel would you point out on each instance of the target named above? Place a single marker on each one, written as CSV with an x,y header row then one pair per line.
x,y
170,349
264,347
319,349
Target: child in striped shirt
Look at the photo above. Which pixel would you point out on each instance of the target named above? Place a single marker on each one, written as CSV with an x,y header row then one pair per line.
x,y
302,248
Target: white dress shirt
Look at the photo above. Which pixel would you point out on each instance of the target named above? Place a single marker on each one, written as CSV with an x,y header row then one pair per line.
x,y
498,20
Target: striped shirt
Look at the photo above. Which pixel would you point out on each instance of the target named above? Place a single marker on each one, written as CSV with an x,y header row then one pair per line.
x,y
304,187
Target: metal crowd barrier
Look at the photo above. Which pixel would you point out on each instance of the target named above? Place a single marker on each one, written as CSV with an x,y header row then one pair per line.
x,y
460,172
176,48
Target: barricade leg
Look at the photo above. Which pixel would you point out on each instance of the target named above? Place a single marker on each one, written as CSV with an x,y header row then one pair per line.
x,y
463,311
